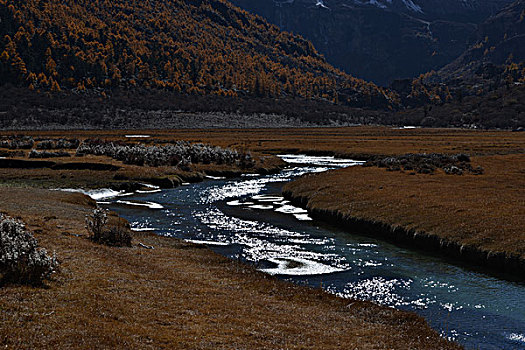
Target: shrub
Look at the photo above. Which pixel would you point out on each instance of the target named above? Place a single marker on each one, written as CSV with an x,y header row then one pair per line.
x,y
17,142
46,154
423,163
180,153
58,144
21,260
95,223
115,235
24,142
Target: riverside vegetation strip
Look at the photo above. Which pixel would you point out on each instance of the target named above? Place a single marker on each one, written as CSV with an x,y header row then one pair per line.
x,y
476,218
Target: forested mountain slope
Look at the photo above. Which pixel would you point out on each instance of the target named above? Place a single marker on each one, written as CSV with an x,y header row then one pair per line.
x,y
188,46
497,57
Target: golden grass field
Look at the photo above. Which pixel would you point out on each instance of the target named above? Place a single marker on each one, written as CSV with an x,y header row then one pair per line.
x,y
348,141
181,295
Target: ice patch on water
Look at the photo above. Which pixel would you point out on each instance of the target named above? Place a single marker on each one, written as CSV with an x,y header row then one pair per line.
x,y
150,205
303,217
196,241
238,203
319,160
299,267
261,206
143,229
149,191
290,209
516,337
234,203
215,177
98,194
150,186
267,198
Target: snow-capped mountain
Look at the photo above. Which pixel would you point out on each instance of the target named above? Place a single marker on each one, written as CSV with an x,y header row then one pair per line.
x,y
477,10
381,40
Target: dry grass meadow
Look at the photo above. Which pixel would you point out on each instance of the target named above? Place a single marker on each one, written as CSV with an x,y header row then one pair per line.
x,y
483,211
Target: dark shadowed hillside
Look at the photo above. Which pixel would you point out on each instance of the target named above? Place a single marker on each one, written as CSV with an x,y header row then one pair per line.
x,y
496,58
381,40
196,47
484,87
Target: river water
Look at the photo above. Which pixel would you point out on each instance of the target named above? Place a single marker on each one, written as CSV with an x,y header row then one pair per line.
x,y
246,218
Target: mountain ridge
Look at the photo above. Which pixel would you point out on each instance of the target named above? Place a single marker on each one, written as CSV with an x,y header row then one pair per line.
x,y
381,40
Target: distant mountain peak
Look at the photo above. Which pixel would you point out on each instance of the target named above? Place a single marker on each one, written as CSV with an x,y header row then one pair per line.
x,y
381,40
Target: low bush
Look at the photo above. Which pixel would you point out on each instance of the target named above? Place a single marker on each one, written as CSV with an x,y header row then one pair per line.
x,y
426,163
58,144
115,235
46,154
180,153
21,260
17,142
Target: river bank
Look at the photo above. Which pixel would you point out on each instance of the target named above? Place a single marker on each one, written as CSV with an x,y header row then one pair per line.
x,y
473,218
177,295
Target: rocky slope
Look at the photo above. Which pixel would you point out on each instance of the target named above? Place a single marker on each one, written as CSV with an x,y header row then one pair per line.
x,y
484,87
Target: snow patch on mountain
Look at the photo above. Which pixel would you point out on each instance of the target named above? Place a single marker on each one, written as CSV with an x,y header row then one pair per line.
x,y
411,6
321,4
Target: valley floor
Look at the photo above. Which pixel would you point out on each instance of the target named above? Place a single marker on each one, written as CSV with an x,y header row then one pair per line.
x,y
183,295
474,218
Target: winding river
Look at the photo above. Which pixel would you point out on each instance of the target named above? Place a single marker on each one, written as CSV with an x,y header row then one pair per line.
x,y
246,218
